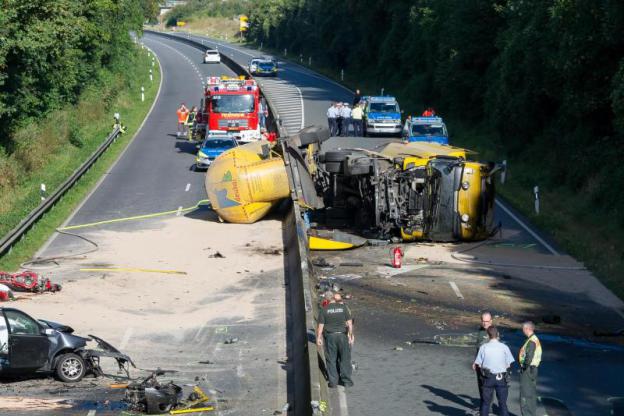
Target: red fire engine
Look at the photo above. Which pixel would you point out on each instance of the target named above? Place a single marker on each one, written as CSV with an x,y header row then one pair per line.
x,y
230,105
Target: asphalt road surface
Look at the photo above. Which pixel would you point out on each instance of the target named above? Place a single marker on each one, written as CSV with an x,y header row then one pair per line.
x,y
394,377
183,326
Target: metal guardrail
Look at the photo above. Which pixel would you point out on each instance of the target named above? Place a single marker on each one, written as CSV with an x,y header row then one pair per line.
x,y
303,297
26,224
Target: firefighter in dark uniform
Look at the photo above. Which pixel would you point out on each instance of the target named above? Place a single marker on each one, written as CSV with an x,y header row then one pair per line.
x,y
529,359
335,332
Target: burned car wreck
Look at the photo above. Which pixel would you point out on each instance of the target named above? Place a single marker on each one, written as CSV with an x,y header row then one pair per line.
x,y
30,346
402,191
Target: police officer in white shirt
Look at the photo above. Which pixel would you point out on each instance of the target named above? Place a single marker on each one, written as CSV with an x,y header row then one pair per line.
x,y
332,115
345,113
494,359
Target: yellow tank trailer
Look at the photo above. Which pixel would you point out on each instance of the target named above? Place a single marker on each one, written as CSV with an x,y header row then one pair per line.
x,y
246,181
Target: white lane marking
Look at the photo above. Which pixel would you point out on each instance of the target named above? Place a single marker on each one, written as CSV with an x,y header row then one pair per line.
x,y
91,413
179,211
527,228
386,271
183,56
126,338
188,186
342,400
456,290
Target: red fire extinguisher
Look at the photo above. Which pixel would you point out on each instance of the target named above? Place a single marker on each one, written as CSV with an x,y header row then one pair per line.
x,y
397,257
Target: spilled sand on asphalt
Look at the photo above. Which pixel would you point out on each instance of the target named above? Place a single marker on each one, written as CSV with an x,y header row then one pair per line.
x,y
106,303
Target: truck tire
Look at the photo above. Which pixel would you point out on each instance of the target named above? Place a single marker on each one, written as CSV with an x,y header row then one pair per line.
x,y
70,368
313,134
333,167
336,155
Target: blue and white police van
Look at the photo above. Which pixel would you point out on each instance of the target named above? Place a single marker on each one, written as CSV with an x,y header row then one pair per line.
x,y
425,129
382,115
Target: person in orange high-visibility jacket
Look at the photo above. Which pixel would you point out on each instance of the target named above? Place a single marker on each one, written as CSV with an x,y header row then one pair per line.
x,y
182,113
429,112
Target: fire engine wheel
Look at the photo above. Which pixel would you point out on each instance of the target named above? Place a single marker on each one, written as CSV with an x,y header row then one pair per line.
x,y
70,368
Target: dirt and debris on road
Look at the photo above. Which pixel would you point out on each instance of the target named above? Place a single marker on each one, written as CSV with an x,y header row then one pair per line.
x,y
175,321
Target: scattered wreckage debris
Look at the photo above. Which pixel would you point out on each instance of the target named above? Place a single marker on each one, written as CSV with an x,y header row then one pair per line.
x,y
59,352
231,341
153,397
216,255
28,282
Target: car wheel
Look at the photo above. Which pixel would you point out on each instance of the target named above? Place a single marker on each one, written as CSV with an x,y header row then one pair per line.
x,y
70,368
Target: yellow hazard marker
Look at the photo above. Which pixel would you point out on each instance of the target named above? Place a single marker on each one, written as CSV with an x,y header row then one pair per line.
x,y
197,410
132,270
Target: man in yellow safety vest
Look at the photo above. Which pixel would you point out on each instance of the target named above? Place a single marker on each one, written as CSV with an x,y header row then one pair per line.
x,y
529,359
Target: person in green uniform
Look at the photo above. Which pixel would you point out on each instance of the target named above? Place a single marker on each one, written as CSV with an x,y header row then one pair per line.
x,y
482,338
529,358
335,332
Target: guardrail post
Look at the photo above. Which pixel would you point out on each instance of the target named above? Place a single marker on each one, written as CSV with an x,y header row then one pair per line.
x,y
342,75
309,61
151,76
503,176
301,57
142,93
285,51
153,62
42,191
537,199
261,43
382,91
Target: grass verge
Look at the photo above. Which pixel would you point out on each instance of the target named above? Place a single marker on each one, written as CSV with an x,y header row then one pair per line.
x,y
73,141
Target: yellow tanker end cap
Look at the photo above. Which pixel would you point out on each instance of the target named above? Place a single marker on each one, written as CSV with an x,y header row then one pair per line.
x,y
242,187
317,243
333,240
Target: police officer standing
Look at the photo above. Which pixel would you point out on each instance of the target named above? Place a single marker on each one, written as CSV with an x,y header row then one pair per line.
x,y
482,338
335,331
356,120
529,359
494,359
332,115
345,113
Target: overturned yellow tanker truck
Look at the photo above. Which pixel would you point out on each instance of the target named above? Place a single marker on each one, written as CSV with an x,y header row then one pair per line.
x,y
408,191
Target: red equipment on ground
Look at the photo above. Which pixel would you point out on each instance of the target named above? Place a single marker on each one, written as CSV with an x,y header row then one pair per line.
x,y
28,282
397,257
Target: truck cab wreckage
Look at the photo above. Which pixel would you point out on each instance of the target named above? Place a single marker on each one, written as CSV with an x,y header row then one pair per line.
x,y
399,191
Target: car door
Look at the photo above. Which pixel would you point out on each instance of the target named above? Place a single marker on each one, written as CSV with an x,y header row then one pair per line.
x,y
28,344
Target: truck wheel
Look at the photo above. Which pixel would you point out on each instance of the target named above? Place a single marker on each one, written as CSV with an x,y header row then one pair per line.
x,y
336,155
313,134
70,368
333,167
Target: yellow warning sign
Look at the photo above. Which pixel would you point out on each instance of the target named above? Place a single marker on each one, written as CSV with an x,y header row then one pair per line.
x,y
244,23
